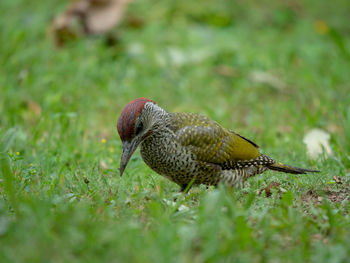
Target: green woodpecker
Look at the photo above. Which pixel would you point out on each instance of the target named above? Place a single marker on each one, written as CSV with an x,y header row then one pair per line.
x,y
189,148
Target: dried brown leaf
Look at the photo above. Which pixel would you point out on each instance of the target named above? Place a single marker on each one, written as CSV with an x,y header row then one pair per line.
x,y
268,188
94,16
333,128
103,15
337,180
62,30
267,78
333,196
34,107
103,165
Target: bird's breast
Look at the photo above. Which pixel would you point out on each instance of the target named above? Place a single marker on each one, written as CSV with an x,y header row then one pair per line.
x,y
167,157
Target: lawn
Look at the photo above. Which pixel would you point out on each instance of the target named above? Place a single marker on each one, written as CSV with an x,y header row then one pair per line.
x,y
269,70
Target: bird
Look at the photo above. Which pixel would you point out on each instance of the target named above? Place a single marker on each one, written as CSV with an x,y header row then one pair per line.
x,y
191,149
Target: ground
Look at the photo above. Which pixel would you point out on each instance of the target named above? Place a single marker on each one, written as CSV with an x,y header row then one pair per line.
x,y
268,70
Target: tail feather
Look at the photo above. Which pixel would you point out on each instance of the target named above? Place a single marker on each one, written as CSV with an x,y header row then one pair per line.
x,y
289,169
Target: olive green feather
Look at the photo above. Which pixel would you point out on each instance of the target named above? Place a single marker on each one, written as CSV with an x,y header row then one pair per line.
x,y
209,141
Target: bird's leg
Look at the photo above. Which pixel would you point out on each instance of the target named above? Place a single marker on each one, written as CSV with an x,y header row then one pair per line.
x,y
241,183
185,188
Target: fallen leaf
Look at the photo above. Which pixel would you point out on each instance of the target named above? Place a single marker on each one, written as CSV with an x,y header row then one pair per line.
x,y
267,78
337,180
331,127
94,17
158,189
31,110
268,188
103,165
338,197
333,196
317,142
34,107
103,15
61,29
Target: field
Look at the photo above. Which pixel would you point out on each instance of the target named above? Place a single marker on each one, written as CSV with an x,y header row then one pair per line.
x,y
269,70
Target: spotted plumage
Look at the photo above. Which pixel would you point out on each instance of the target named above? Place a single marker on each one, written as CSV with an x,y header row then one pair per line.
x,y
189,148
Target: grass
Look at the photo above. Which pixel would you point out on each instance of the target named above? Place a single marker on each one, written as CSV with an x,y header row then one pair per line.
x,y
61,199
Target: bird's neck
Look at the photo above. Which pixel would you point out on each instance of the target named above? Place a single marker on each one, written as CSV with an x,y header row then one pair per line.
x,y
157,118
156,114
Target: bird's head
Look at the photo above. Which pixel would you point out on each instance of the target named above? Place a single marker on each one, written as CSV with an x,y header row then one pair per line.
x,y
134,125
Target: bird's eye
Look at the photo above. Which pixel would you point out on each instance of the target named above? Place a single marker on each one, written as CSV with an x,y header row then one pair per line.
x,y
139,128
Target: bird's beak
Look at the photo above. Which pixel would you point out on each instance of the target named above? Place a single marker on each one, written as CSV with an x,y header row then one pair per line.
x,y
128,149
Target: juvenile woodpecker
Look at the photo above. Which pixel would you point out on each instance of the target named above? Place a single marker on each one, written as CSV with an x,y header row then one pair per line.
x,y
188,148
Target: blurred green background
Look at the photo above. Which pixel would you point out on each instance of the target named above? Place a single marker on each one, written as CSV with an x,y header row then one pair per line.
x,y
269,70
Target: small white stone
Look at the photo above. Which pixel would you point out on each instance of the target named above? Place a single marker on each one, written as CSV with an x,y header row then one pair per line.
x,y
262,77
183,208
283,190
317,142
171,203
136,49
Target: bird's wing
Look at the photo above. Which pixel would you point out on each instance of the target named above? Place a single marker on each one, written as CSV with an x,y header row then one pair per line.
x,y
210,142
